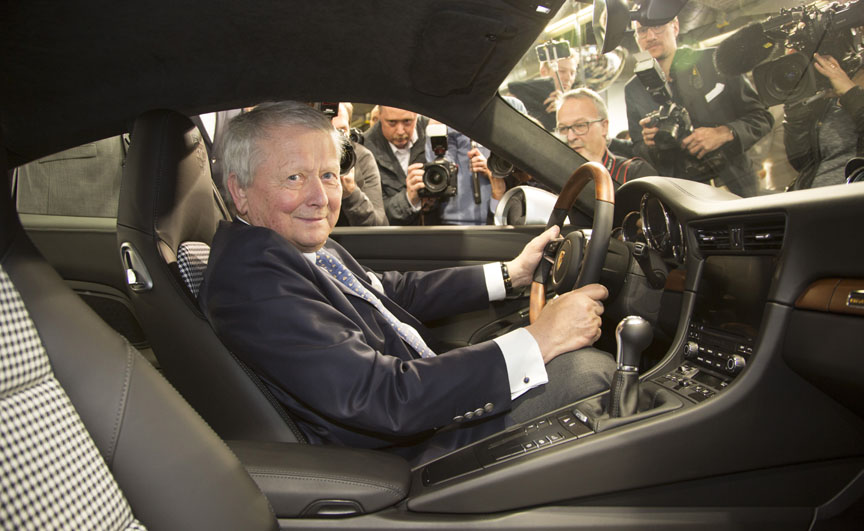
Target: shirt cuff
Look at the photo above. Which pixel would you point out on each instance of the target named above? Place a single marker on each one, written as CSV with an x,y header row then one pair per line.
x,y
494,281
525,367
493,204
410,204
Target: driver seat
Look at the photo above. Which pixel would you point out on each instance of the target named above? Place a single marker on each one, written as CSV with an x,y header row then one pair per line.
x,y
170,208
91,436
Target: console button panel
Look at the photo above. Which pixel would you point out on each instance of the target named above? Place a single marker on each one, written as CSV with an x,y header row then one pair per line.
x,y
536,436
717,350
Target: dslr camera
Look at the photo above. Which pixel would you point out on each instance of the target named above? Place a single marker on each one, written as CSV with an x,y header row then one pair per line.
x,y
440,175
672,120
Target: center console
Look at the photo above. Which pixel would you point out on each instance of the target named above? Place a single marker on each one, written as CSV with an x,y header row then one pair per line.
x,y
726,318
727,315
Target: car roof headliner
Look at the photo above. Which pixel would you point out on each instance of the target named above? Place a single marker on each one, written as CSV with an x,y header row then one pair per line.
x,y
77,71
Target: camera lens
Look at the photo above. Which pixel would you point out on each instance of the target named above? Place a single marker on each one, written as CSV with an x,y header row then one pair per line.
x,y
785,80
435,179
788,78
499,166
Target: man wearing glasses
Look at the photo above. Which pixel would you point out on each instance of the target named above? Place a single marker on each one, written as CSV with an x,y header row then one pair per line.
x,y
726,114
583,122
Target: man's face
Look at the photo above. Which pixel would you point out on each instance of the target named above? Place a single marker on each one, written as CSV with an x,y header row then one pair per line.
x,y
295,190
340,121
566,73
398,125
660,41
581,113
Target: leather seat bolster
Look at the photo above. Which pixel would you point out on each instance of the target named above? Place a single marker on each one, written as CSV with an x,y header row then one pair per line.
x,y
296,478
169,464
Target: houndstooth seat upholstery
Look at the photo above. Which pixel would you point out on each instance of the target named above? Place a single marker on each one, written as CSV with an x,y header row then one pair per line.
x,y
53,477
192,262
91,435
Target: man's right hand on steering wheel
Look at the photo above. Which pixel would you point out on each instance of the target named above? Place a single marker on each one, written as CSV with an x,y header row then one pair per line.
x,y
570,321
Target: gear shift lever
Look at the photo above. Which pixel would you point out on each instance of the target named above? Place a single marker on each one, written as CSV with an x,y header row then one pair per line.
x,y
633,334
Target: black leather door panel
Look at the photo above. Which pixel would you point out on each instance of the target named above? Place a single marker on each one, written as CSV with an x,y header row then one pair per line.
x,y
426,248
83,250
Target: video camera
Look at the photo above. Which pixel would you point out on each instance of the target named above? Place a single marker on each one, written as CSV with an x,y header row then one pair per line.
x,y
440,175
807,29
671,119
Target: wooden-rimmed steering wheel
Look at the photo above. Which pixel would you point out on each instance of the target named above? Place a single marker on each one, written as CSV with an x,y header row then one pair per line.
x,y
561,255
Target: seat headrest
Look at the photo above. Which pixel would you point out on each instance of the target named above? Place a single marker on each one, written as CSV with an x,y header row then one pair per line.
x,y
167,188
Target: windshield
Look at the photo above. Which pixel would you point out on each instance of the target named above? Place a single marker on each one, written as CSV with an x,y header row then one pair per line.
x,y
757,97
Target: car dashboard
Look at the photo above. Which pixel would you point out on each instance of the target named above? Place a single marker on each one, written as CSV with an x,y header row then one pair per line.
x,y
738,389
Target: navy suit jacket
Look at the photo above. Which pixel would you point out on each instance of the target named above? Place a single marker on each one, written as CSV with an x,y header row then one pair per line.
x,y
332,359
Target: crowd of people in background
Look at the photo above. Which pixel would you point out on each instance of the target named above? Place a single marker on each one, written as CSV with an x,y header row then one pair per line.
x,y
386,184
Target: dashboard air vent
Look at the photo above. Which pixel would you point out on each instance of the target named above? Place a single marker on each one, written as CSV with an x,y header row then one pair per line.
x,y
715,238
766,236
758,235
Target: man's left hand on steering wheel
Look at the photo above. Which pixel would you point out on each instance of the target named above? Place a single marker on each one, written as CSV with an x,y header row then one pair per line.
x,y
522,267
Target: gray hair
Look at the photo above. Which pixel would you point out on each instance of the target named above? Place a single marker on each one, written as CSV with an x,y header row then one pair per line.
x,y
241,152
588,94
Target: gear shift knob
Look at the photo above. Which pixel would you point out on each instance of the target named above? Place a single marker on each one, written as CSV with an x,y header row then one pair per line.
x,y
633,335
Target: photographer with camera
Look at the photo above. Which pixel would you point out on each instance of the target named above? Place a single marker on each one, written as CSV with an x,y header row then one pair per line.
x,y
398,142
821,136
710,121
460,177
362,201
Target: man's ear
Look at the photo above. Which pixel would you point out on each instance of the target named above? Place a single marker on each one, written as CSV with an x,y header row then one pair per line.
x,y
238,194
545,71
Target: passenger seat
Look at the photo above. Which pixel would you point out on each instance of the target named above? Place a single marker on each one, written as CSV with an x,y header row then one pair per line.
x,y
91,436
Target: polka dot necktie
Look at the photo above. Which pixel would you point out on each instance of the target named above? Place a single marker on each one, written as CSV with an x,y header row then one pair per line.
x,y
344,276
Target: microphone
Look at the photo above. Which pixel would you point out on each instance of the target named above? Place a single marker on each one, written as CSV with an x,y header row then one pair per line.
x,y
743,50
475,180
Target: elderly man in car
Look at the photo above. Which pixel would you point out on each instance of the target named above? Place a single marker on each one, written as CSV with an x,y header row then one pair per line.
x,y
343,348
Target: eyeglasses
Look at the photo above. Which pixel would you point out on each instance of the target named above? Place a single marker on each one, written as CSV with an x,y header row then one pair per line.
x,y
642,31
580,128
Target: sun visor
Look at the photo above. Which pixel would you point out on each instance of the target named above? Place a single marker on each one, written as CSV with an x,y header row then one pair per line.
x,y
452,49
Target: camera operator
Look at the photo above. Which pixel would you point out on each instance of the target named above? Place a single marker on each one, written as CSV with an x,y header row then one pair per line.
x,y
726,114
362,202
398,142
821,136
